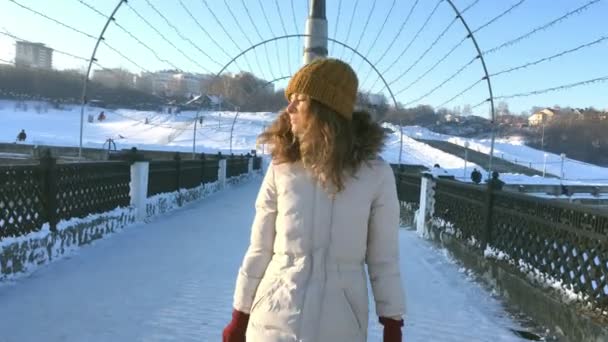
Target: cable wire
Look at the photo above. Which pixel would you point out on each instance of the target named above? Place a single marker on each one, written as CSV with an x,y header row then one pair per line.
x,y
276,2
540,28
350,25
444,57
433,44
180,35
125,57
545,59
276,43
93,9
226,32
428,19
493,20
469,6
333,44
552,89
295,25
259,36
238,24
441,84
435,65
461,93
54,50
162,60
480,104
7,62
210,37
161,35
371,12
392,41
69,54
375,40
54,20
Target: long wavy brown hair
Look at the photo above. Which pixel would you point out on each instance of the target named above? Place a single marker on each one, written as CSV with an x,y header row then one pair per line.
x,y
331,146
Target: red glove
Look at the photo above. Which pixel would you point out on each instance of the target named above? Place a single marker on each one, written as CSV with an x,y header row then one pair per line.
x,y
392,329
235,330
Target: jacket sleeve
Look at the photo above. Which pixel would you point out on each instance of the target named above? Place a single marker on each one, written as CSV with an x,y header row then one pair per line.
x,y
382,256
260,249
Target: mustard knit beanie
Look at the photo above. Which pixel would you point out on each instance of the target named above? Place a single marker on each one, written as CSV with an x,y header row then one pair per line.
x,y
329,81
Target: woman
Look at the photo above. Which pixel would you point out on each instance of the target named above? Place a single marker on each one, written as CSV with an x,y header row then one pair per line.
x,y
327,206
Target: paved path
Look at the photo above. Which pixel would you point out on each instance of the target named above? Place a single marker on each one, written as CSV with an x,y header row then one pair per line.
x,y
173,278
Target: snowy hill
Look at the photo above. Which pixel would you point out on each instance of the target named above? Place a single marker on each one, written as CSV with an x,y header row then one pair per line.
x,y
174,132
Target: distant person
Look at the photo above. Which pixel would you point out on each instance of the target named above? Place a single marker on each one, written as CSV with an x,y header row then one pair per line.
x,y
102,116
496,183
476,176
21,136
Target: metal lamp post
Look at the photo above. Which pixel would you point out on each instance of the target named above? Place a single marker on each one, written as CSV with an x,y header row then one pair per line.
x,y
545,164
466,157
542,137
563,155
315,44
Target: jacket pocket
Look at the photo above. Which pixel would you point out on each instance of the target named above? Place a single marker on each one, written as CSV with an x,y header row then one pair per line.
x,y
350,310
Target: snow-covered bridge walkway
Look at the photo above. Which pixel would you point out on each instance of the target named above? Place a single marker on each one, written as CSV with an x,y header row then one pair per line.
x,y
172,280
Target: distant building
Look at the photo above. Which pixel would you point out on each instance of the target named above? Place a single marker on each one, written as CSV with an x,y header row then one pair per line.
x,y
539,117
172,83
186,84
114,78
34,55
452,118
161,83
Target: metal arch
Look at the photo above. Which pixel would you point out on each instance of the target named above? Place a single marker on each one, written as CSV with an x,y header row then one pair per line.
x,y
248,96
255,91
487,78
335,42
86,76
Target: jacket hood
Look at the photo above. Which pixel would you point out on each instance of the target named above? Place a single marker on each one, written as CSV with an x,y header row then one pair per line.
x,y
369,137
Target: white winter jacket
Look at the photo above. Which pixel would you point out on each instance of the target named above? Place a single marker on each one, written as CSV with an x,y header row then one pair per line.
x,y
303,276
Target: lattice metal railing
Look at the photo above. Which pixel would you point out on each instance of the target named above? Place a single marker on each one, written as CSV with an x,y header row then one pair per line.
x,y
210,170
236,165
566,241
36,194
257,163
463,205
21,200
31,195
162,177
408,178
86,188
190,173
196,172
555,241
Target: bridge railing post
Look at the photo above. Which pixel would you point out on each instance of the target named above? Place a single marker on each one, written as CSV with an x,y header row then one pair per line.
x,y
249,164
221,171
138,192
427,205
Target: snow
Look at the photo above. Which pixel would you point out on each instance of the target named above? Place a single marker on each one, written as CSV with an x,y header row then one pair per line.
x,y
514,150
174,132
64,224
173,278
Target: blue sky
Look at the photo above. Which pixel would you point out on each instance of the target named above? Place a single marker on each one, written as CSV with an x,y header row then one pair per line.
x,y
282,57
